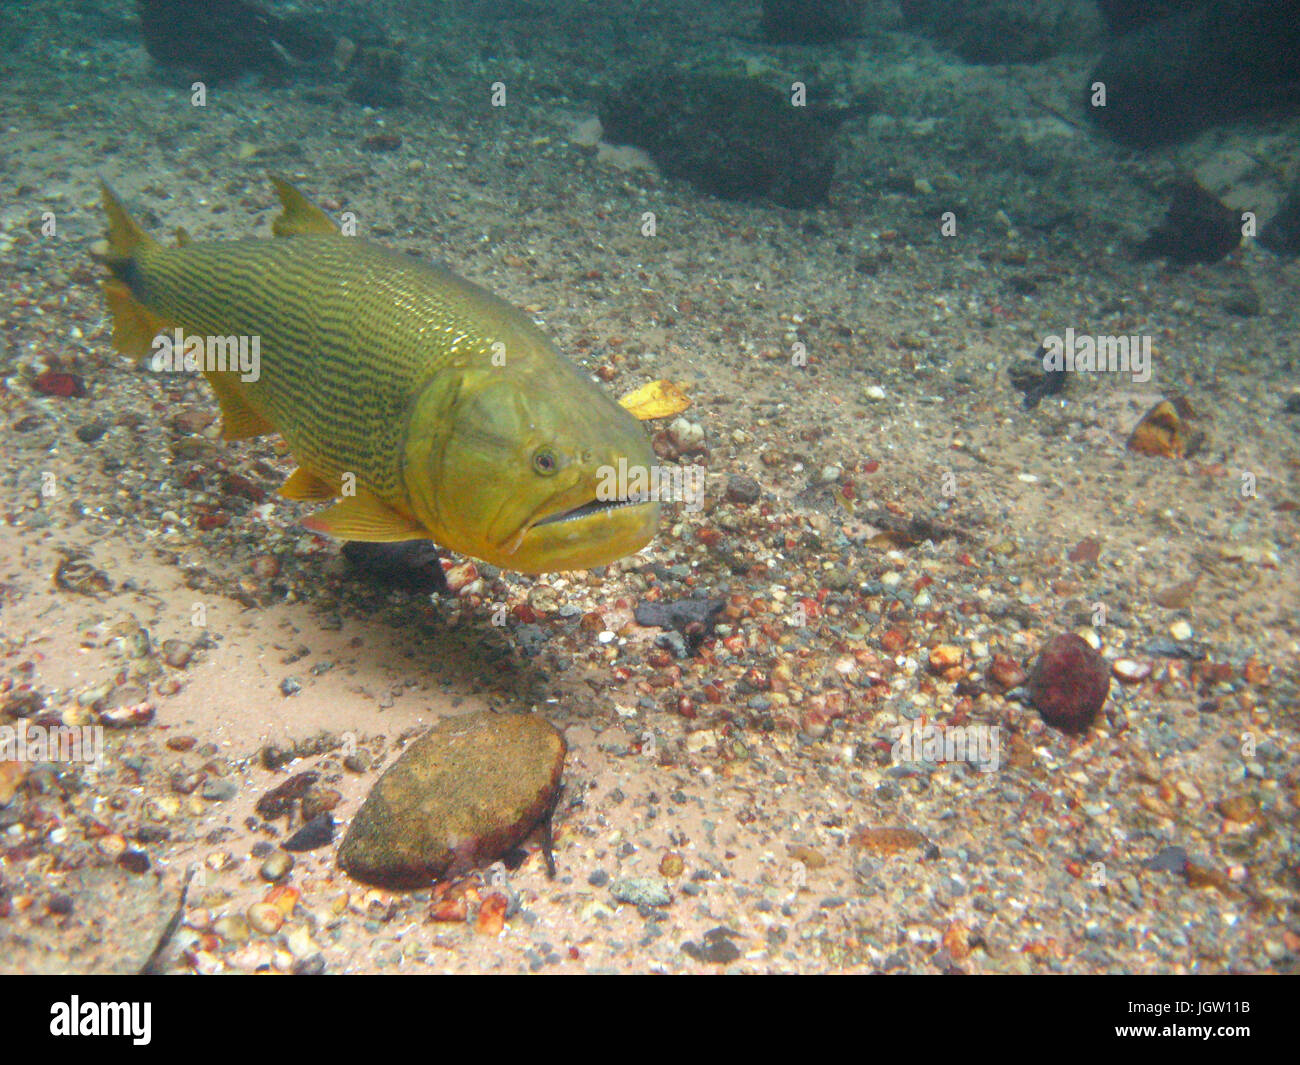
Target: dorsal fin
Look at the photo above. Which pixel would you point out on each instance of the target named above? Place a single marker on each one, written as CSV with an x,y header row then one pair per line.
x,y
125,237
300,215
183,237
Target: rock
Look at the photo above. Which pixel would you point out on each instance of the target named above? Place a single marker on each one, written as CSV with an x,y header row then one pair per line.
x,y
1197,228
1004,31
717,947
277,866
887,840
742,489
1175,76
279,801
177,653
641,891
1281,234
225,38
731,136
466,792
412,565
811,21
1168,430
1069,682
318,832
1124,15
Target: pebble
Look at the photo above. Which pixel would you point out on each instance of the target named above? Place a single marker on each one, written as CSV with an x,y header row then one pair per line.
x,y
265,918
277,866
177,653
1069,682
219,790
318,832
641,891
742,489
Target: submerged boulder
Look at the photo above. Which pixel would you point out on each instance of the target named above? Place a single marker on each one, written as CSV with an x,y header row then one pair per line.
x,y
462,795
811,21
1174,77
728,135
1004,31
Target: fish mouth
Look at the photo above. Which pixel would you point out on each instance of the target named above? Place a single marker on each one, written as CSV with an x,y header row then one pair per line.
x,y
590,508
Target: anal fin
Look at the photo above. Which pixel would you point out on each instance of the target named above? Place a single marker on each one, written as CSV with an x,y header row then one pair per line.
x,y
305,485
239,420
366,517
134,327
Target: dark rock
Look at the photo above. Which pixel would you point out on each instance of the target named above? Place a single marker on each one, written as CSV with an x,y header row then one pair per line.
x,y
1197,228
811,21
1003,31
1281,235
378,75
693,618
1069,682
716,947
278,802
412,565
467,791
742,489
1123,16
318,832
223,39
1036,382
728,135
1176,76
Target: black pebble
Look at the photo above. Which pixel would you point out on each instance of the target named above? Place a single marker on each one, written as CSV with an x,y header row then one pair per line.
x,y
318,832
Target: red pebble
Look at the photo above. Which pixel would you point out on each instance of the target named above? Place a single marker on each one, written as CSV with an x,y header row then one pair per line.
x,y
1069,682
63,385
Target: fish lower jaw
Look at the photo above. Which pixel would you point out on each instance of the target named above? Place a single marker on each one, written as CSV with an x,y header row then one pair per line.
x,y
585,537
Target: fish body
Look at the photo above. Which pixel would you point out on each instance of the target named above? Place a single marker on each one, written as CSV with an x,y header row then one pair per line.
x,y
430,408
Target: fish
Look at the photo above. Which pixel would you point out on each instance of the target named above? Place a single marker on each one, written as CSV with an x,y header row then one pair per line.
x,y
423,405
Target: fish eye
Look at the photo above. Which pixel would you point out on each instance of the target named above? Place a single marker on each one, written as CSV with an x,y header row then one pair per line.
x,y
545,462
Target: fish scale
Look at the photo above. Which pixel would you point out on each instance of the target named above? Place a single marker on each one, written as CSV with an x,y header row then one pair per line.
x,y
334,322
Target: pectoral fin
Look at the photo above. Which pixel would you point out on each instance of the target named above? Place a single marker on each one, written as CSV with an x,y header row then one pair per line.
x,y
366,517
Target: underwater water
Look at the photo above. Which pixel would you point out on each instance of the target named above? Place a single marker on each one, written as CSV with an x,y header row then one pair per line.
x,y
934,611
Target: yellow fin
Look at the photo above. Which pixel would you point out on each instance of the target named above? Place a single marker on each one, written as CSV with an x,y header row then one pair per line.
x,y
125,237
239,421
300,215
366,517
134,326
658,399
183,237
303,484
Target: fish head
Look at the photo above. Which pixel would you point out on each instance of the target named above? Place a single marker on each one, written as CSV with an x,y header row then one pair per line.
x,y
529,471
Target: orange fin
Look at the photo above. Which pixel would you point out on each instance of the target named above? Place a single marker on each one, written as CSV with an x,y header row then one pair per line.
x,y
303,484
239,420
300,215
134,326
366,517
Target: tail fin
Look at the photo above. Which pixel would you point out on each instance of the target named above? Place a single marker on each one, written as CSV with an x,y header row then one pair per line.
x,y
134,327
